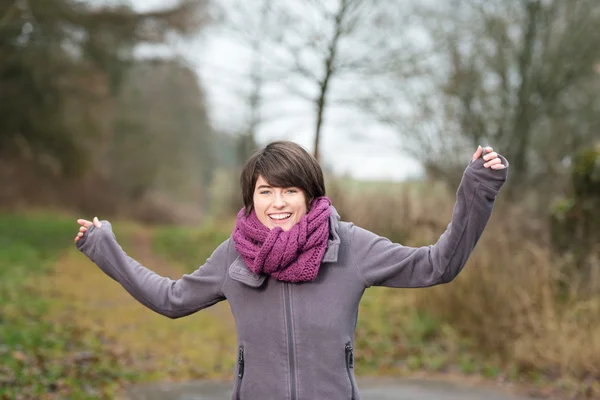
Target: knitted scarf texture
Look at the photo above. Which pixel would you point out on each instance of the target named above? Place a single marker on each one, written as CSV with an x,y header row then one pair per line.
x,y
292,256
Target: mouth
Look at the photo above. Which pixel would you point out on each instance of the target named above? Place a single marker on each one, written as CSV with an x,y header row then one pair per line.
x,y
280,217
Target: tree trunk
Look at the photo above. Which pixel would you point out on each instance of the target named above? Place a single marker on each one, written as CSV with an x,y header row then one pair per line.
x,y
329,72
521,133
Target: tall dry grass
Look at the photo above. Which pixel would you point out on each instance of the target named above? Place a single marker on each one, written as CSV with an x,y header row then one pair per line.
x,y
508,301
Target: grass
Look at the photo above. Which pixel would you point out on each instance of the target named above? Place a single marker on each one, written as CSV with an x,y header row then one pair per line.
x,y
503,318
189,246
40,359
201,346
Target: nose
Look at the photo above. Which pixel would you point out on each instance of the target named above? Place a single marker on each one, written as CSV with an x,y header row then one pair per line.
x,y
279,201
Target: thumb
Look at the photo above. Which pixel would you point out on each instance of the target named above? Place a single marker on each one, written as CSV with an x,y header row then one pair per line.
x,y
96,222
477,153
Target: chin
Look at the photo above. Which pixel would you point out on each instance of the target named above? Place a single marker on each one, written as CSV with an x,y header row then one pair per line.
x,y
284,227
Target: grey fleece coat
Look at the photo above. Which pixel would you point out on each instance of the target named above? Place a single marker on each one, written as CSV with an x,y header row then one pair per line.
x,y
295,341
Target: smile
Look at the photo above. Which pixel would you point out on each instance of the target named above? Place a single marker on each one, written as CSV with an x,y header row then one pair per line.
x,y
280,217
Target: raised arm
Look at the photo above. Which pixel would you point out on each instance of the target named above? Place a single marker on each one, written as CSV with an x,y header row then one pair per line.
x,y
168,297
383,263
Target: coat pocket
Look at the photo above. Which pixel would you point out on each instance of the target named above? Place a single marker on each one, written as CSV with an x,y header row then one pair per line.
x,y
240,373
349,367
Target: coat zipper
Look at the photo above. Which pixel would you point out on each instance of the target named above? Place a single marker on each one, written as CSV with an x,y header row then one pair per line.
x,y
288,310
240,371
350,365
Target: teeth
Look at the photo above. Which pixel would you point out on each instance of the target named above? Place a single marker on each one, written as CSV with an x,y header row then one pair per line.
x,y
280,216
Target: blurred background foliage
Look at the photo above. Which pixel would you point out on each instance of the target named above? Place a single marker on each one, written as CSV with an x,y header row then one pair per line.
x,y
85,124
89,127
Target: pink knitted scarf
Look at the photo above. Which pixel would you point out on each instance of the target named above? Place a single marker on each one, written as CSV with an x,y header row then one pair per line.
x,y
292,256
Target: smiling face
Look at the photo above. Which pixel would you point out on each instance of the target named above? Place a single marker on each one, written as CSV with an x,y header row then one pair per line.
x,y
275,206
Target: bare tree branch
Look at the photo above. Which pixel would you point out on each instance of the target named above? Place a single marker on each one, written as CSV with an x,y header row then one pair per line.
x,y
311,44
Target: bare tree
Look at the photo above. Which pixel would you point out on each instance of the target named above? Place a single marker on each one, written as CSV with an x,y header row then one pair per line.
x,y
307,46
248,142
246,23
518,74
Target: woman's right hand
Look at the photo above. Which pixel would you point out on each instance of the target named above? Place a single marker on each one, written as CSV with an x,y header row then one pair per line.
x,y
85,224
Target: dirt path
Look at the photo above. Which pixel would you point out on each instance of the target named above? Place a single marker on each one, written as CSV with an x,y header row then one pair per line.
x,y
380,389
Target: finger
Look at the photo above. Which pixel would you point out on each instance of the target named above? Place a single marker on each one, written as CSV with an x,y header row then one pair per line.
x,y
491,155
489,149
82,229
84,222
495,161
80,234
477,153
76,239
97,223
498,166
492,162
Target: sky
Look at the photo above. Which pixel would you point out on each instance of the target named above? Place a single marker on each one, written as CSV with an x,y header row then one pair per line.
x,y
351,144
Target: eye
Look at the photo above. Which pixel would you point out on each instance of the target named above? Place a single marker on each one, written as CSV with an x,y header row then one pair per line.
x,y
292,191
264,192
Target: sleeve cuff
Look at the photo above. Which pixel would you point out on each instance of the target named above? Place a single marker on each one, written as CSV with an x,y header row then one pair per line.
x,y
87,242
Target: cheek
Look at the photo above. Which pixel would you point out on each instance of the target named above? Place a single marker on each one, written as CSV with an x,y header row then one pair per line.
x,y
259,206
301,209
259,209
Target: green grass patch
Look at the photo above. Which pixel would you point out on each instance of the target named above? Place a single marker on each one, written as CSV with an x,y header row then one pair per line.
x,y
396,338
40,359
189,247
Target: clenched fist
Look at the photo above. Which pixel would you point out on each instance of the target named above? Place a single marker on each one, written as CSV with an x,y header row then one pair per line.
x,y
493,161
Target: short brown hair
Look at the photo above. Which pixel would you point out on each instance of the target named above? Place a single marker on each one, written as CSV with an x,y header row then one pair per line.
x,y
282,164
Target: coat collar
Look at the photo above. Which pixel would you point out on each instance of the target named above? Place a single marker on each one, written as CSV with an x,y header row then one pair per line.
x,y
240,272
333,245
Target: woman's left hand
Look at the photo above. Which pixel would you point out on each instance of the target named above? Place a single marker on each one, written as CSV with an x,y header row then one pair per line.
x,y
491,158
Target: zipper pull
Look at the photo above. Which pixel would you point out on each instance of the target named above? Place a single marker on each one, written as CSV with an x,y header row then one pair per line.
x,y
241,362
350,356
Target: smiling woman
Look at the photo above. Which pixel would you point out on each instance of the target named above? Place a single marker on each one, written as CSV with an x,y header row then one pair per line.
x,y
294,273
282,207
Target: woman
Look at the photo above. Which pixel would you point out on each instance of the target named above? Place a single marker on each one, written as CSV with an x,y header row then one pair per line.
x,y
294,274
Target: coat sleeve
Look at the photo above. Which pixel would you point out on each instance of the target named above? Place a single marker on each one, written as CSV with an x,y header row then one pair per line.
x,y
383,263
168,297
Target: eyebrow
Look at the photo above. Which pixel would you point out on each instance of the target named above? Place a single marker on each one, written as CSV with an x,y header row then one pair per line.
x,y
271,187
